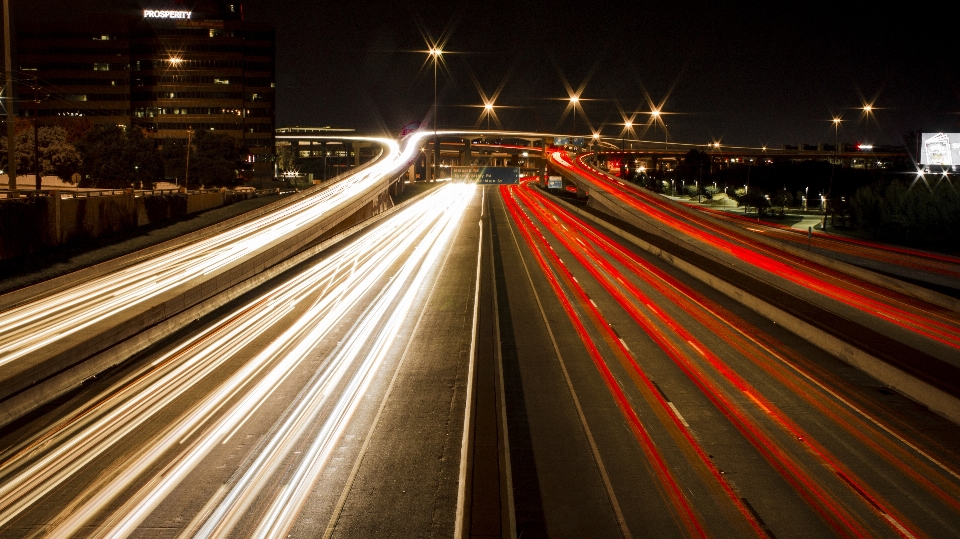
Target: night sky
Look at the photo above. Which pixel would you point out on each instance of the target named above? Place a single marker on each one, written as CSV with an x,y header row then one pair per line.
x,y
745,75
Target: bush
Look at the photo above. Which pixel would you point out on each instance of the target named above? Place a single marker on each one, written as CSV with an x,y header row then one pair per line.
x,y
916,214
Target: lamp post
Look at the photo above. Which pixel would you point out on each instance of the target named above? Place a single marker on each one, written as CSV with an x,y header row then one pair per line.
x,y
489,110
573,101
186,176
833,164
435,54
8,91
867,110
623,152
596,149
655,115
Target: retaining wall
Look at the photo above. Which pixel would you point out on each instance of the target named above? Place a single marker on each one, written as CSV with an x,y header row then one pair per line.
x,y
31,224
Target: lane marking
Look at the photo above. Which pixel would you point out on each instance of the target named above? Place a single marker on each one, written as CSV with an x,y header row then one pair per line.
x,y
611,495
468,408
505,433
677,412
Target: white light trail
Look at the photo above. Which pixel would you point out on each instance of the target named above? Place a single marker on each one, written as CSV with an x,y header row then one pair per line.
x,y
342,280
40,323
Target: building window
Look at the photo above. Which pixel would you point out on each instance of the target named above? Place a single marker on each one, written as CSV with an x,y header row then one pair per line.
x,y
221,81
101,67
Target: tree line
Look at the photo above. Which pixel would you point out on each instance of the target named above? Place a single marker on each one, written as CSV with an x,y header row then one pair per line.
x,y
895,205
116,157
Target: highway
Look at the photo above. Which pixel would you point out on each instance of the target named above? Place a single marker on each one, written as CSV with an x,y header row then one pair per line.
x,y
254,422
655,406
913,334
350,396
40,324
905,263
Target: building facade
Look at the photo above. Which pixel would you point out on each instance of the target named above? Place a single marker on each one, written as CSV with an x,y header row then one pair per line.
x,y
170,72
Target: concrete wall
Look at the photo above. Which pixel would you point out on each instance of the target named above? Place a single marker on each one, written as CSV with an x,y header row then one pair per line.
x,y
32,224
92,217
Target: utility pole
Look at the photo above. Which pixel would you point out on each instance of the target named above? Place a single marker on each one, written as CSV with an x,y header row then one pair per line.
x,y
36,134
186,176
11,131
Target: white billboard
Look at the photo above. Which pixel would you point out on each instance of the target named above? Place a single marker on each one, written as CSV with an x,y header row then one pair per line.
x,y
940,149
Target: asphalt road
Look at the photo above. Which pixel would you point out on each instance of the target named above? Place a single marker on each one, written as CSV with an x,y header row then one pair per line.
x,y
331,403
647,405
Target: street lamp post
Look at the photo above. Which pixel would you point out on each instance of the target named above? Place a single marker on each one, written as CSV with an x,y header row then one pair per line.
x,y
489,109
655,114
596,149
186,175
833,164
435,53
573,101
8,91
623,152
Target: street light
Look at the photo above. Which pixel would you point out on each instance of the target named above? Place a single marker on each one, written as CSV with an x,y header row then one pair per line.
x,y
623,152
655,116
488,108
435,53
573,101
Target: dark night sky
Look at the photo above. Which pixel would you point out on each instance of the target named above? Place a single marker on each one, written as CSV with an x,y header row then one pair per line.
x,y
747,74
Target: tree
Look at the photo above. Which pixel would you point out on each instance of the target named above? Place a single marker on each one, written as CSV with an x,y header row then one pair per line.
x,y
287,159
23,141
114,157
141,154
57,156
782,198
215,159
102,151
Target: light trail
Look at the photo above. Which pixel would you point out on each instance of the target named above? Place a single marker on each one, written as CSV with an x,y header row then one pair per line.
x,y
759,255
342,281
669,486
41,323
630,298
759,347
946,265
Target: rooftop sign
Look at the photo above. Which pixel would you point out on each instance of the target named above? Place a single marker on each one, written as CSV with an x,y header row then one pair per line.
x,y
165,14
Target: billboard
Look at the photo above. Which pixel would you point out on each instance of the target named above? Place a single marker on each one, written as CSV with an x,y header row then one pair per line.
x,y
486,175
569,141
940,149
